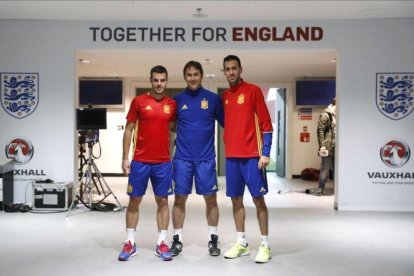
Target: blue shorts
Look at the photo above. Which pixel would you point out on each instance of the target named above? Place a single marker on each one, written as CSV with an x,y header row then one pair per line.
x,y
203,172
159,173
241,172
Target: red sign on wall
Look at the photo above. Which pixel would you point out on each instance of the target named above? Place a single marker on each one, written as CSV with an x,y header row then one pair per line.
x,y
304,137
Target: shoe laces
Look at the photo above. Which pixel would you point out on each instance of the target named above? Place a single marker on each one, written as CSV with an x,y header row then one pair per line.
x,y
213,244
264,247
176,242
163,247
214,241
128,247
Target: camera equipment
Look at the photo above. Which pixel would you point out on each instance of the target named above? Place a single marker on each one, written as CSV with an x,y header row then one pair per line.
x,y
88,122
90,118
88,136
90,180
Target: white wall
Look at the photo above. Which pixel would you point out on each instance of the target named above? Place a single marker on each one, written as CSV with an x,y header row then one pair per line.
x,y
304,154
369,47
365,47
36,47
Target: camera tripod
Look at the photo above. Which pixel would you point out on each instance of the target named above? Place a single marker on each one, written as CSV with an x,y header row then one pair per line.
x,y
92,179
81,158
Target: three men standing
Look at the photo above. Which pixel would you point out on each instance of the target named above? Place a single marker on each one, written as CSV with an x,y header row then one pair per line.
x,y
247,138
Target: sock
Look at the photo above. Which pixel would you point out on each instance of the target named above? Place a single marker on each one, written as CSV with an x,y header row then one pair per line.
x,y
212,230
265,240
162,234
130,235
179,233
241,238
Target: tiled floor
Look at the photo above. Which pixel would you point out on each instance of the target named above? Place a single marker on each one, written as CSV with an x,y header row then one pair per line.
x,y
307,236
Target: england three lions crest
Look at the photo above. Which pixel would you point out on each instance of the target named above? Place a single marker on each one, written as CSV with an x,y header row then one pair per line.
x,y
19,93
395,94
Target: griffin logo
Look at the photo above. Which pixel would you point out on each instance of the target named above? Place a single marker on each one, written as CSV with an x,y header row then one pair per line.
x,y
395,153
20,150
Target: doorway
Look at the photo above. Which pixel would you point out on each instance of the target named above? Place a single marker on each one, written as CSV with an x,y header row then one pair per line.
x,y
275,99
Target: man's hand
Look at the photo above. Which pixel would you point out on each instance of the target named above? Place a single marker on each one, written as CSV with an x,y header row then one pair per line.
x,y
126,166
323,152
263,162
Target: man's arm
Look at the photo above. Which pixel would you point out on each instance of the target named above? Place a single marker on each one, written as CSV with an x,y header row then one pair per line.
x,y
265,124
265,156
126,145
322,125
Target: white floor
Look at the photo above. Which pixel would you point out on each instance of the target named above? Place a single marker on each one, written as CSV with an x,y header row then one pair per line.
x,y
307,236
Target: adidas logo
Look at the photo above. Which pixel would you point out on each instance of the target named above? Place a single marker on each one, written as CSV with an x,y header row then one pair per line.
x,y
184,107
214,188
262,190
170,190
148,107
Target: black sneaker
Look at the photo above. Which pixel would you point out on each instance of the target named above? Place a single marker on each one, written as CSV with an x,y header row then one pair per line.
x,y
176,246
214,246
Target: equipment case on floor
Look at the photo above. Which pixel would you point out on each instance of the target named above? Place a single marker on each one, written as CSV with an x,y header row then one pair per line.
x,y
55,196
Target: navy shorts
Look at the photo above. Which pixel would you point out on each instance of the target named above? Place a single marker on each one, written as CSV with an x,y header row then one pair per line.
x,y
159,173
203,172
241,172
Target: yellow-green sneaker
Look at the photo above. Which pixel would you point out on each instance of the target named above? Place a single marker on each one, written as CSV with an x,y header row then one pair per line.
x,y
236,251
264,254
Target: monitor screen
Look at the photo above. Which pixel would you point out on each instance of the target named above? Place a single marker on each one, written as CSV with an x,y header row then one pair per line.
x,y
101,93
91,118
315,92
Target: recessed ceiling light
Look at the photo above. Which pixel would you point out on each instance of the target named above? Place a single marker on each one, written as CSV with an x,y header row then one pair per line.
x,y
84,61
212,75
333,60
207,61
199,13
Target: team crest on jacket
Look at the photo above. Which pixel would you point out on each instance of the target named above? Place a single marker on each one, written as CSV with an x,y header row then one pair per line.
x,y
395,94
166,109
240,99
204,104
19,93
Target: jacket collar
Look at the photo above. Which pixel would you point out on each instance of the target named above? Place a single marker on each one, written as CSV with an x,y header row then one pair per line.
x,y
237,86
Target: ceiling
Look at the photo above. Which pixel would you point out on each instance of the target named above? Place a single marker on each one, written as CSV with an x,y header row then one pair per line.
x,y
258,65
215,9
